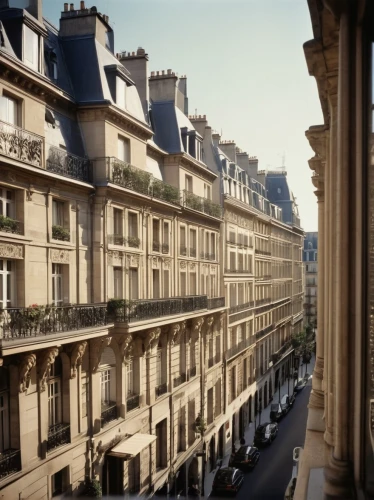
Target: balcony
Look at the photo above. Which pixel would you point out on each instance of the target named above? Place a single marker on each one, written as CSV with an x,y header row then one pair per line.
x,y
161,389
120,240
192,252
261,302
60,233
207,256
165,248
214,360
201,204
132,402
192,372
240,270
179,380
261,252
124,311
125,175
243,344
58,435
156,245
10,462
277,356
20,323
265,331
183,250
241,307
108,412
21,145
66,164
9,225
216,302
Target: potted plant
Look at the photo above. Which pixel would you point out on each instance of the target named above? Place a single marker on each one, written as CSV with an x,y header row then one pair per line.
x,y
8,224
92,488
200,425
133,241
60,233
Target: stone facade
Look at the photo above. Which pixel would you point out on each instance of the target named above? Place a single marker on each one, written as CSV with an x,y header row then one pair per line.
x,y
116,275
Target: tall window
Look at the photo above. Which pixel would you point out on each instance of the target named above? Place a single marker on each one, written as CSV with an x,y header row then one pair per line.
x,y
7,206
54,393
117,283
207,191
188,183
192,284
193,242
120,92
132,225
4,412
9,110
30,48
156,283
57,282
7,283
133,283
159,376
165,237
156,235
105,387
129,378
166,283
85,393
182,240
124,149
183,287
118,225
57,213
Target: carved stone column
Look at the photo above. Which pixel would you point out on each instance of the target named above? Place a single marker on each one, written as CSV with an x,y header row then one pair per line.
x,y
26,366
97,347
76,353
150,344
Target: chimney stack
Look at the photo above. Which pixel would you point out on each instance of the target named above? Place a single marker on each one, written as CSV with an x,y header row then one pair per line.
x,y
66,7
82,5
71,7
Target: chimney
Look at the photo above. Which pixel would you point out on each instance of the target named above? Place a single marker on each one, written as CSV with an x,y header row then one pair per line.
x,y
242,159
71,6
66,7
137,64
164,87
252,167
82,6
229,148
216,139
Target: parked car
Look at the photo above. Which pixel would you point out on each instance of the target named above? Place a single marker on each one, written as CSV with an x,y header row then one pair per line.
x,y
265,434
300,385
246,457
275,412
292,399
286,404
227,480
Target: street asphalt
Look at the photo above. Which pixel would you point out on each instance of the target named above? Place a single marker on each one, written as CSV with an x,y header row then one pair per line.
x,y
270,477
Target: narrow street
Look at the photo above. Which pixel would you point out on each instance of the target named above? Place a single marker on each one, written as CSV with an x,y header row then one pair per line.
x,y
269,480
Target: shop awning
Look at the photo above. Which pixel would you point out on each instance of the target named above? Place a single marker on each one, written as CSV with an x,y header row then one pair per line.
x,y
132,446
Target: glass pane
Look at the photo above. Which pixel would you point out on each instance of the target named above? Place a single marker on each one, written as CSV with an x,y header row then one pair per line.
x,y
30,48
121,93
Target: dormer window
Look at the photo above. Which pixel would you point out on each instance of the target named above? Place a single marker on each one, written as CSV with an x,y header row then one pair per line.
x,y
30,48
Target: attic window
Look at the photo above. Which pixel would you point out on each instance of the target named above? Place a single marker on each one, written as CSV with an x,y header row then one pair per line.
x,y
53,64
120,93
30,48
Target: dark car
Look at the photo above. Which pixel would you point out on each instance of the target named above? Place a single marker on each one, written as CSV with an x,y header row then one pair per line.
x,y
227,480
265,434
246,457
286,404
275,412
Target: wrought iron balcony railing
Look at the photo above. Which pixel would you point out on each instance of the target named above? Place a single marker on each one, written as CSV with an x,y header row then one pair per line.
x,y
243,344
120,240
108,412
63,163
9,225
201,204
161,389
156,245
136,179
10,462
241,307
263,332
216,302
262,252
214,360
192,372
132,402
24,322
207,256
192,252
58,435
60,233
21,145
137,310
179,380
165,248
261,302
183,250
276,356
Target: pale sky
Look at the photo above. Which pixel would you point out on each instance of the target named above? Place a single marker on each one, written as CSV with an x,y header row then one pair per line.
x,y
245,68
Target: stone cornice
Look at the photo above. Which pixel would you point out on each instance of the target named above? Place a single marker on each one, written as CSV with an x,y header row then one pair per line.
x,y
316,136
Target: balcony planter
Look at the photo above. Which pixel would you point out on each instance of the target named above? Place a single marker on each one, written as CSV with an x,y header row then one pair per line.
x,y
133,241
9,225
60,233
200,425
131,177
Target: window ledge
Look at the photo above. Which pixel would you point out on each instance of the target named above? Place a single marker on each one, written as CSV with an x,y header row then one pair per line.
x,y
14,236
61,242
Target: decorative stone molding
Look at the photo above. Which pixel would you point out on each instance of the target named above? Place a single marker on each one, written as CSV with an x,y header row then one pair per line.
x,y
213,269
47,358
97,347
132,260
27,363
175,333
197,324
237,219
115,258
126,347
167,263
209,324
11,251
76,357
60,256
218,323
183,264
151,340
29,192
155,262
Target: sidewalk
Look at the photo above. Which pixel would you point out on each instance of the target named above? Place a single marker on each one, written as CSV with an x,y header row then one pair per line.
x,y
250,430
